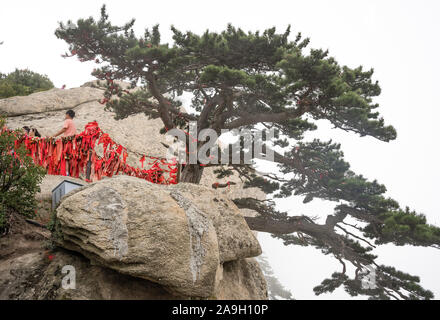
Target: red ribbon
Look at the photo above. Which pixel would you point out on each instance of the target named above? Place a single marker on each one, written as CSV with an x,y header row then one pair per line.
x,y
76,151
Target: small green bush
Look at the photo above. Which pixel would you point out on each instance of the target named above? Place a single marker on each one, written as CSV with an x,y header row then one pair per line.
x,y
19,179
23,83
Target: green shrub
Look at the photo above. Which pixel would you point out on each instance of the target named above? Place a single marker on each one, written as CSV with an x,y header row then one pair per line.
x,y
23,83
55,228
19,179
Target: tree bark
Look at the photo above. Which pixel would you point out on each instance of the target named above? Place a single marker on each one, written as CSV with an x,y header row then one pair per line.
x,y
192,173
272,226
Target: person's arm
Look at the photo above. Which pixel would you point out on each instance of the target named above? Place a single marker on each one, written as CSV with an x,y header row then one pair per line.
x,y
59,132
65,126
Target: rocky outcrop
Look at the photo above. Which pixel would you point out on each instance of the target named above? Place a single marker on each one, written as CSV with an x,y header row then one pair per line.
x,y
196,245
29,271
138,133
235,240
51,100
177,236
34,276
241,280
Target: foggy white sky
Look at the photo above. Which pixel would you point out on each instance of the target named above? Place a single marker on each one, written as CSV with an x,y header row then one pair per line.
x,y
398,38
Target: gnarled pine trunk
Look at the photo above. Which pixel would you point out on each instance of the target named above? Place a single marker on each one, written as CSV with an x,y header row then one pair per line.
x,y
192,173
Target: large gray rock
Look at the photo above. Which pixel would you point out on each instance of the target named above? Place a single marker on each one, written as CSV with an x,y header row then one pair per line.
x,y
234,237
29,271
51,100
32,276
241,280
45,111
176,236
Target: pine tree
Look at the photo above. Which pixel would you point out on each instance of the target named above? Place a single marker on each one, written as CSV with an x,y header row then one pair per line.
x,y
244,79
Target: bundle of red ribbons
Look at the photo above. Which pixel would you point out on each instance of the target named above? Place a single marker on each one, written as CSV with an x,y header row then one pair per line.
x,y
77,153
